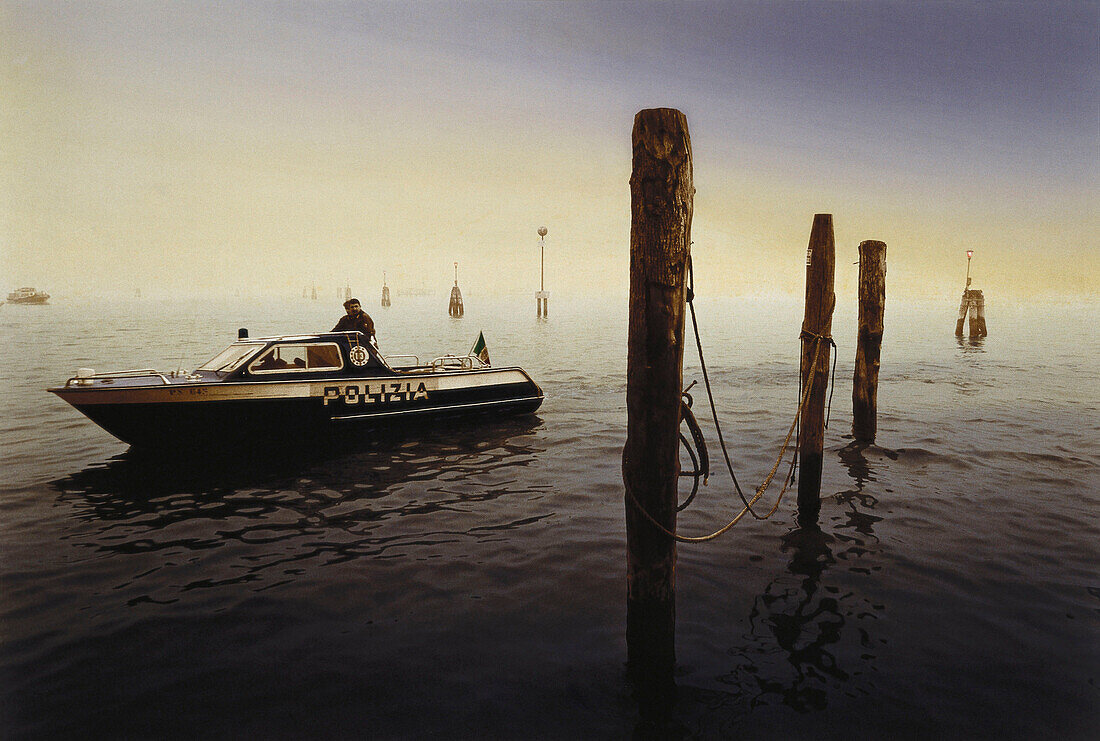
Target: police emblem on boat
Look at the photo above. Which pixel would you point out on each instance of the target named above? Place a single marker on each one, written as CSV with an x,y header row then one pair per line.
x,y
358,355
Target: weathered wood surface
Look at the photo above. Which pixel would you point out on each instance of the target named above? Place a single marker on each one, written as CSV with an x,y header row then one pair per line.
x,y
661,195
872,304
818,320
973,302
977,314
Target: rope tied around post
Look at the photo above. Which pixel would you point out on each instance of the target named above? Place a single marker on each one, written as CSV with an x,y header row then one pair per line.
x,y
771,474
807,335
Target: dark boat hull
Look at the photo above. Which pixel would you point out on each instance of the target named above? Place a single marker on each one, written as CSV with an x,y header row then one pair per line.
x,y
246,414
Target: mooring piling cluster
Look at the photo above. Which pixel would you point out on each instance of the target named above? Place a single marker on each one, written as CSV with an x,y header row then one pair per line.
x,y
662,201
454,309
973,303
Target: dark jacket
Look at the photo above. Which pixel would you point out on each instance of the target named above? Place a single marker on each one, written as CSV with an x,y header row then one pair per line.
x,y
360,321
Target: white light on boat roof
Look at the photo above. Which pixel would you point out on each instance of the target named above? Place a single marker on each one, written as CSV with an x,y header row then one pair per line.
x,y
281,337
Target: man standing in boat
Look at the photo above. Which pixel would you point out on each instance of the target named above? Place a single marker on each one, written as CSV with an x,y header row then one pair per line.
x,y
356,319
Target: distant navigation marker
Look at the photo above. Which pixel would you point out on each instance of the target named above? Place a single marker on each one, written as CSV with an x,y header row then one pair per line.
x,y
385,290
542,296
455,309
973,303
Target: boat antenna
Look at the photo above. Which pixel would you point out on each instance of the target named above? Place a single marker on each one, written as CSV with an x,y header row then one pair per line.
x,y
183,347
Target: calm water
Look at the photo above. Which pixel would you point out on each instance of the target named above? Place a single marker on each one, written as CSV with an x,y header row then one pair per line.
x,y
470,582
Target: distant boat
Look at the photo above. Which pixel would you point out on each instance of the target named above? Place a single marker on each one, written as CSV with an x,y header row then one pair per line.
x,y
28,296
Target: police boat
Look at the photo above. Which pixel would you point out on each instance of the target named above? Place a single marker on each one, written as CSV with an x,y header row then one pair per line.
x,y
291,387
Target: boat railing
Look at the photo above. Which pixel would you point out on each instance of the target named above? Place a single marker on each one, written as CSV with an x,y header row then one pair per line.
x,y
85,378
457,362
391,358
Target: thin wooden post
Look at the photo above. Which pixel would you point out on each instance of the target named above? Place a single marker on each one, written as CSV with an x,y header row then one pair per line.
x,y
963,307
977,314
872,303
661,198
818,321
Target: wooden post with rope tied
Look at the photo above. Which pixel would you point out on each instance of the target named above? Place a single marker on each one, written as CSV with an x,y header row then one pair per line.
x,y
816,329
662,195
872,302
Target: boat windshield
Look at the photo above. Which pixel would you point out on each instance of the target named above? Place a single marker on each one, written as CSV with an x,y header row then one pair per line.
x,y
231,357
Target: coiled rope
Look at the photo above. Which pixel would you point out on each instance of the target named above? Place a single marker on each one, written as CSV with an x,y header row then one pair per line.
x,y
747,508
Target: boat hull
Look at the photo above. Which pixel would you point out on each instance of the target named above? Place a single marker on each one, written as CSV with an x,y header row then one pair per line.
x,y
243,414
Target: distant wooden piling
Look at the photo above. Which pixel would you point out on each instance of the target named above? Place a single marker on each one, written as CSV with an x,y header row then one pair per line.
x,y
977,314
963,308
661,199
455,308
542,296
973,303
872,303
818,321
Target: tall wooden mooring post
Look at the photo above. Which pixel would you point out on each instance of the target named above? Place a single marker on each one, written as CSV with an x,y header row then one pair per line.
x,y
816,341
872,303
661,202
385,290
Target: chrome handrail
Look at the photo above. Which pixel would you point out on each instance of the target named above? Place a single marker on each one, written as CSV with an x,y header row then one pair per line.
x,y
458,362
133,373
389,359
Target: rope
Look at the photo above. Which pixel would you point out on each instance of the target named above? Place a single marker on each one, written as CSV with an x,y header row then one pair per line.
x,y
763,487
805,335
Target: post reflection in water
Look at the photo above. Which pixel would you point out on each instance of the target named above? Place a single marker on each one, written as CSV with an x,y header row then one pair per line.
x,y
812,631
971,344
280,513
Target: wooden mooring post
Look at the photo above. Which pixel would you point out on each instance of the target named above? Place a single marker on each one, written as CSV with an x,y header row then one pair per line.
x,y
818,322
872,303
661,198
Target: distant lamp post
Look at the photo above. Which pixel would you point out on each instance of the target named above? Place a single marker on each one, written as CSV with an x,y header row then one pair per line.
x,y
542,296
969,254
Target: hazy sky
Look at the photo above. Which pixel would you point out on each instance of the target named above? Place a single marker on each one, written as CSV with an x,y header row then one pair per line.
x,y
263,146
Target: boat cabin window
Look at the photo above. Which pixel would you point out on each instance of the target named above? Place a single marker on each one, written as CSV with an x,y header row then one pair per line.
x,y
299,357
231,357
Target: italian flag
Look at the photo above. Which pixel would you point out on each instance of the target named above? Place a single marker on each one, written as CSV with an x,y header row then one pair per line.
x,y
479,349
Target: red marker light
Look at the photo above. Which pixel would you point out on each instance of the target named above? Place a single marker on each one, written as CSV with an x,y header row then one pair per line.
x,y
969,254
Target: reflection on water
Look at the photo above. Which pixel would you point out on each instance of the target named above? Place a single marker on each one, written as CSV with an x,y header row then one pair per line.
x,y
807,617
304,507
970,344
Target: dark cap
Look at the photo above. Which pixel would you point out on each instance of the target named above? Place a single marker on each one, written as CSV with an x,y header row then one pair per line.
x,y
351,301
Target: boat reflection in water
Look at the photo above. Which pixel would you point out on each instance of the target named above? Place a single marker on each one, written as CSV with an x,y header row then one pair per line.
x,y
290,388
334,503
